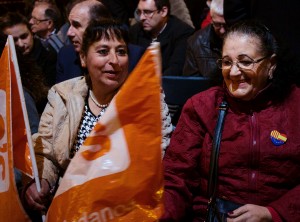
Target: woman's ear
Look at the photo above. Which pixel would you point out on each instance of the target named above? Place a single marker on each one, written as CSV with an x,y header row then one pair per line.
x,y
82,60
272,67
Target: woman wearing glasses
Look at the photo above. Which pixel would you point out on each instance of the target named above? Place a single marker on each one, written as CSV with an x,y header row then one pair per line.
x,y
258,164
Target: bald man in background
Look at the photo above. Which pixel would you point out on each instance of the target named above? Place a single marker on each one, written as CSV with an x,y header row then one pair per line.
x,y
81,13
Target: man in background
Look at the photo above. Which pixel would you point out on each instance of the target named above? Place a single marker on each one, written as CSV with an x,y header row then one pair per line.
x,y
45,22
17,25
81,13
204,46
157,25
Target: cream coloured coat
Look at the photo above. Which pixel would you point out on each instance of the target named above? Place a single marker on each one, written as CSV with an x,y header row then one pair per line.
x,y
59,125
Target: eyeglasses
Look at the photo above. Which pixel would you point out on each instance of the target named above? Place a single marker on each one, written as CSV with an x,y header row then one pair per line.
x,y
38,21
146,13
245,64
219,25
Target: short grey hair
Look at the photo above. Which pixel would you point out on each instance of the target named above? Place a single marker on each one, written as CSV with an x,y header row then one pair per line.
x,y
217,6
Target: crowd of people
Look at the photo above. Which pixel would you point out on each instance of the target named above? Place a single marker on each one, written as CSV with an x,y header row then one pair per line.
x,y
82,53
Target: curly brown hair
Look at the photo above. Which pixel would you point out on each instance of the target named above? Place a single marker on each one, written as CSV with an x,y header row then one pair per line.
x,y
32,78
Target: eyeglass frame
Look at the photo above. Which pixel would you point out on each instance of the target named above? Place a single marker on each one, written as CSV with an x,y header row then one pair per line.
x,y
38,21
220,62
218,25
146,13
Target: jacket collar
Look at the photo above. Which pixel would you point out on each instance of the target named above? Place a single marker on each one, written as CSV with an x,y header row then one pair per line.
x,y
214,40
262,100
163,34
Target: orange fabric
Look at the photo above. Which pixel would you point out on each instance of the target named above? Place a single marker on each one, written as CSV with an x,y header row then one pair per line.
x,y
21,151
10,206
117,173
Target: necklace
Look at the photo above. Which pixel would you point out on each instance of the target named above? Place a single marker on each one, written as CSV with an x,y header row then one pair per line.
x,y
103,106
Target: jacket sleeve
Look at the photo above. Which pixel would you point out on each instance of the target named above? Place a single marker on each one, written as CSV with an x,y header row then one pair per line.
x,y
59,68
180,165
33,115
190,68
288,206
43,143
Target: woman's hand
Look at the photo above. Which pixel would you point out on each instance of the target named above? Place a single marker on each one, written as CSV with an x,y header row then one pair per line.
x,y
38,200
250,213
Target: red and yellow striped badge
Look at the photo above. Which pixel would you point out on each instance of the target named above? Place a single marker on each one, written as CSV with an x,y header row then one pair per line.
x,y
278,138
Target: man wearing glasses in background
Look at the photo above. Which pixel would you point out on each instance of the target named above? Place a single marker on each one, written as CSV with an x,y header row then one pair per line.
x,y
45,22
204,47
157,25
18,26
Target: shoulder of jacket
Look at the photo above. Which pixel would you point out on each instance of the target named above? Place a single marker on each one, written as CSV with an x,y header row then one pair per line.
x,y
209,98
135,28
200,35
67,50
178,23
71,85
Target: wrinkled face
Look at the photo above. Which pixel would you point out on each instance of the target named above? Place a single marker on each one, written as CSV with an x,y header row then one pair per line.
x,y
107,63
22,36
218,23
151,19
79,19
40,25
246,83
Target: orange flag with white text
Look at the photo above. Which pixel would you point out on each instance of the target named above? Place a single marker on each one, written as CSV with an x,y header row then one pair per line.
x,y
10,206
117,173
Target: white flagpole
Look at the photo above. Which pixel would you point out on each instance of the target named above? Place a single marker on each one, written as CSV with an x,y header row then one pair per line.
x,y
25,115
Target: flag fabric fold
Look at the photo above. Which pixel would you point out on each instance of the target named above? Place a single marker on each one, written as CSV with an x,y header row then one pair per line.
x,y
117,173
10,133
22,158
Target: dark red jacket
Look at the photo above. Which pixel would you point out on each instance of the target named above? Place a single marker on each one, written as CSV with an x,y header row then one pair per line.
x,y
252,170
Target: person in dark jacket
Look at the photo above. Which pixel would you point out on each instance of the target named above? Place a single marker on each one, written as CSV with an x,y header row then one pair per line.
x,y
156,24
45,23
204,46
17,25
46,60
258,164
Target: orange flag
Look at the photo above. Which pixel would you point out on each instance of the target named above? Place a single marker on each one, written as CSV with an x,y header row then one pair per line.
x,y
10,206
22,159
117,173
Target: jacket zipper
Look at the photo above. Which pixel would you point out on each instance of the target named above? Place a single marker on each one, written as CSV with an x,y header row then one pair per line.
x,y
254,158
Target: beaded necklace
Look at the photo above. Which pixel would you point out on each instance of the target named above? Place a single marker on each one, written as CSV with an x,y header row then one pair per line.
x,y
102,106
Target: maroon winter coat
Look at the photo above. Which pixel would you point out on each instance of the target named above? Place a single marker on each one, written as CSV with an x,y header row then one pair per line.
x,y
252,170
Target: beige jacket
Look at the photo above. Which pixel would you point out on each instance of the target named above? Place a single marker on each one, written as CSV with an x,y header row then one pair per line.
x,y
59,125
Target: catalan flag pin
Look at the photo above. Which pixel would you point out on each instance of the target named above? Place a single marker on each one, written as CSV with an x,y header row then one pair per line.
x,y
278,138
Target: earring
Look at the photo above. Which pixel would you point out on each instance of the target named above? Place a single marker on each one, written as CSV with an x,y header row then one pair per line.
x,y
271,70
271,76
